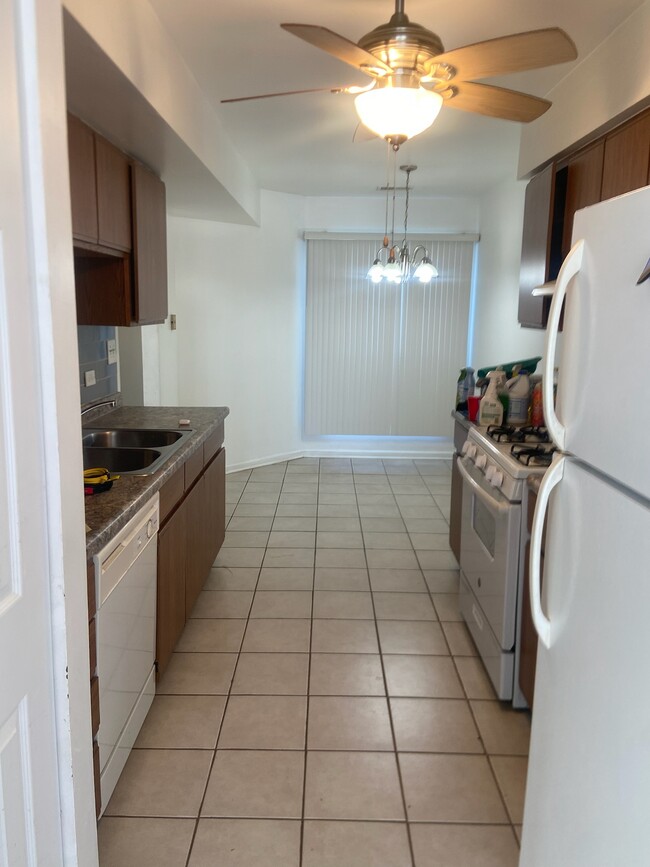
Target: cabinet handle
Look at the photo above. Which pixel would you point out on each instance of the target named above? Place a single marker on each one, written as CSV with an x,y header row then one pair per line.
x,y
551,478
569,269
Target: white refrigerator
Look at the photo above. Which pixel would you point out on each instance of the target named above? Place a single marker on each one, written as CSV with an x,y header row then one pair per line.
x,y
588,788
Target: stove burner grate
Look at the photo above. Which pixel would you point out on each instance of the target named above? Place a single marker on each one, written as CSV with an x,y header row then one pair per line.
x,y
533,455
525,434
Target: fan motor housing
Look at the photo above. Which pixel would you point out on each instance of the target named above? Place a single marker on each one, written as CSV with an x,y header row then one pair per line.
x,y
402,45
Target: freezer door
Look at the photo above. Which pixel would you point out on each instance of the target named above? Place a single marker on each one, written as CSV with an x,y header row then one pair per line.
x,y
588,786
602,395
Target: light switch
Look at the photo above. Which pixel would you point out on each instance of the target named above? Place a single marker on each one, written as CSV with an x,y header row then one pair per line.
x,y
111,351
89,377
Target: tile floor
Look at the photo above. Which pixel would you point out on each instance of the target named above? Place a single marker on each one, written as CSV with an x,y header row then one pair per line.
x,y
325,705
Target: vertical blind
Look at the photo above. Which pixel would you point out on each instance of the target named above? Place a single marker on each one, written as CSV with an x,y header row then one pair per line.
x,y
383,359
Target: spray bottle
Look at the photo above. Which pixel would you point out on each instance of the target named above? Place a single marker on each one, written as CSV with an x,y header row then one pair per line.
x,y
491,408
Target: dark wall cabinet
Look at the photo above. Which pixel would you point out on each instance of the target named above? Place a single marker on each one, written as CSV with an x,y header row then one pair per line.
x,y
119,233
193,522
615,163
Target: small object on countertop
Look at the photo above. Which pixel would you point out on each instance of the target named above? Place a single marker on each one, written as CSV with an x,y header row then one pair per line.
x,y
98,479
184,422
491,408
519,388
537,406
465,387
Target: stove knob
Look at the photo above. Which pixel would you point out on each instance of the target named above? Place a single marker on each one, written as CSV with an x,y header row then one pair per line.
x,y
481,461
465,448
489,475
497,479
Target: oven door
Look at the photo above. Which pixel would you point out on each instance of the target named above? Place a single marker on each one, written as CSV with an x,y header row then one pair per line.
x,y
489,551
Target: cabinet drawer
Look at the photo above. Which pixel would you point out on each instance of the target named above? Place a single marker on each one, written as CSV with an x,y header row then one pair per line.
x,y
171,492
193,467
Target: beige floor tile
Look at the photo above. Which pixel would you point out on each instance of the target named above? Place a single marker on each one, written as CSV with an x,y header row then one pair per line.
x,y
464,846
422,677
383,525
279,539
231,578
356,844
281,603
437,560
246,843
212,635
300,485
442,580
286,579
349,785
248,539
346,539
412,637
426,525
145,842
377,510
342,558
450,788
331,578
258,498
446,605
264,722
346,674
296,510
474,677
389,559
326,510
198,674
264,483
397,581
403,606
459,639
328,498
505,731
222,603
282,557
182,722
277,636
339,604
387,541
243,524
271,674
348,723
422,512
339,525
254,510
240,557
294,524
434,725
161,783
344,636
255,784
430,541
510,772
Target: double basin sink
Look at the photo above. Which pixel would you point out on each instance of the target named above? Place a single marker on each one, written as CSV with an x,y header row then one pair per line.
x,y
126,450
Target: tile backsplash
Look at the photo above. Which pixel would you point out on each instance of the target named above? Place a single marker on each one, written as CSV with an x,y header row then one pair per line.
x,y
93,355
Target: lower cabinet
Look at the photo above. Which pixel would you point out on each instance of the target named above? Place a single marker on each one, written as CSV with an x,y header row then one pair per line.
x,y
188,542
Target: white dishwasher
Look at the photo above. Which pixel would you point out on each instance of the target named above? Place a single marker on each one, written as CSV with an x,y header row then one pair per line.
x,y
125,572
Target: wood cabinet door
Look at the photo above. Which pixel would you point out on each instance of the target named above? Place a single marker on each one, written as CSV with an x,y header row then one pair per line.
x,y
535,246
149,246
113,196
584,180
172,542
627,158
83,187
456,509
195,559
215,507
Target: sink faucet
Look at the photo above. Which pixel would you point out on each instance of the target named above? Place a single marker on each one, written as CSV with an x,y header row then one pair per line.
x,y
98,405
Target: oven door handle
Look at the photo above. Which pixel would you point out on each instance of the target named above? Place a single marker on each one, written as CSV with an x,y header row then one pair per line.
x,y
487,500
541,622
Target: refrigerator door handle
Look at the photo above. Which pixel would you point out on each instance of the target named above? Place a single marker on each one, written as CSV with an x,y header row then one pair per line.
x,y
569,269
541,622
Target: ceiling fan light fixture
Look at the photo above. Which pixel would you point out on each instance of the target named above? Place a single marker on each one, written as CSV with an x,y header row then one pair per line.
x,y
426,271
398,112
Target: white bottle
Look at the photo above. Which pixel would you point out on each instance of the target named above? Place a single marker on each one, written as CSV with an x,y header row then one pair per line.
x,y
519,393
491,408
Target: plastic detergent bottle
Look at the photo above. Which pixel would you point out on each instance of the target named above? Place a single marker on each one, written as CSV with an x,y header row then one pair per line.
x,y
519,391
491,408
466,383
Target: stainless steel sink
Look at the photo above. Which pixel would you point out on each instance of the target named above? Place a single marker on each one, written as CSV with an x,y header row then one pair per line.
x,y
126,450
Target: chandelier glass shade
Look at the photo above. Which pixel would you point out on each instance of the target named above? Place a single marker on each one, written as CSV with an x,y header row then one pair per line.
x,y
397,113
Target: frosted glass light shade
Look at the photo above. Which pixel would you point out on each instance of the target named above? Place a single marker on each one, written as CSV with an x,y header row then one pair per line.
x,y
393,272
425,271
376,271
398,111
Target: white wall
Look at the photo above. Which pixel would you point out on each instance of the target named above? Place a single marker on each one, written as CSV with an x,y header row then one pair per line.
x,y
498,337
367,214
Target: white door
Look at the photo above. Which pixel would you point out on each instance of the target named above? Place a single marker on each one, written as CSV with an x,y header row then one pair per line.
x,y
588,787
38,817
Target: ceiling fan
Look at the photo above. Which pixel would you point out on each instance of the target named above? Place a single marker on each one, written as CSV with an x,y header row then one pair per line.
x,y
413,76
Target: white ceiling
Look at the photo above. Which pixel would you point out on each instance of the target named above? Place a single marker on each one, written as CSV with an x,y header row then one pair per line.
x,y
303,144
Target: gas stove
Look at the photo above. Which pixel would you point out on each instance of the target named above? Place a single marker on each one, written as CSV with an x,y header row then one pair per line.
x,y
511,434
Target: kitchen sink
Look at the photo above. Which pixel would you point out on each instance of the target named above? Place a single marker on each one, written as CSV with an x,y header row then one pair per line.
x,y
126,450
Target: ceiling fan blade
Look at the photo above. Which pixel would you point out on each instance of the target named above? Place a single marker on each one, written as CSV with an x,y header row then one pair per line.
x,y
289,93
496,101
515,53
339,46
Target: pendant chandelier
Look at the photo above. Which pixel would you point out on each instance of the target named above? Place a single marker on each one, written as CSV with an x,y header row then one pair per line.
x,y
395,263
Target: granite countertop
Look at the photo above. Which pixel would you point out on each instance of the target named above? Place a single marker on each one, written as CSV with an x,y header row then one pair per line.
x,y
108,512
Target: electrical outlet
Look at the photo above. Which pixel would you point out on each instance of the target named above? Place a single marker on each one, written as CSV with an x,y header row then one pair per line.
x,y
90,378
172,322
111,351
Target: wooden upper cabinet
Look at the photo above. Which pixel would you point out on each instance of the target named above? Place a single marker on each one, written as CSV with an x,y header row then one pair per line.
x,y
113,196
83,187
627,158
584,178
535,247
149,246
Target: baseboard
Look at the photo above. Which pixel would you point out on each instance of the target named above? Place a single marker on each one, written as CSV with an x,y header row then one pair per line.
x,y
443,452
